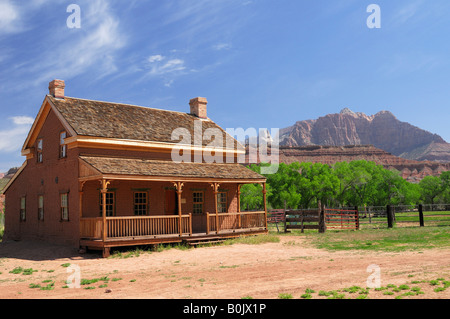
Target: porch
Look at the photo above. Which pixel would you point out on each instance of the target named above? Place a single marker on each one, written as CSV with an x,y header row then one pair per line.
x,y
147,230
153,209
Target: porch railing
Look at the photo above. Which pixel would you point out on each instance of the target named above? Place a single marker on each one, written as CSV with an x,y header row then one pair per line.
x,y
234,221
135,226
141,226
91,227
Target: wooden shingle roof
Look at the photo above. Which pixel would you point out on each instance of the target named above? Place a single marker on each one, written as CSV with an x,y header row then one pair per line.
x,y
130,122
154,168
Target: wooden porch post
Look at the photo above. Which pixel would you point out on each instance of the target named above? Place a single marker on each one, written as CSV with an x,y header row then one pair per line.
x,y
80,192
104,190
239,204
179,187
80,207
265,204
215,187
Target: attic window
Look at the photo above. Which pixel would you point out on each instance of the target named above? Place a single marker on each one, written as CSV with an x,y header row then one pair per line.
x,y
39,150
62,145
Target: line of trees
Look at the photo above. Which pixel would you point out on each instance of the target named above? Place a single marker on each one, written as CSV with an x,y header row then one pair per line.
x,y
344,184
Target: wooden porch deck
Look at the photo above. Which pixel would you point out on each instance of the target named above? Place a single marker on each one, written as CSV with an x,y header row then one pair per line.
x,y
153,230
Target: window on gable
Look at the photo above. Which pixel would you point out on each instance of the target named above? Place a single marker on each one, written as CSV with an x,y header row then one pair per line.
x,y
62,145
39,148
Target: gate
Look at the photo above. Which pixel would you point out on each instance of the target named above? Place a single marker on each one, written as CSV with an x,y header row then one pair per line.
x,y
276,216
342,218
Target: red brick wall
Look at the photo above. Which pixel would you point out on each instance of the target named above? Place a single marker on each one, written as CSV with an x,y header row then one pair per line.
x,y
50,178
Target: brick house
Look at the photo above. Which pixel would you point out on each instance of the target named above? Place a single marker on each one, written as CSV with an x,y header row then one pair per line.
x,y
99,175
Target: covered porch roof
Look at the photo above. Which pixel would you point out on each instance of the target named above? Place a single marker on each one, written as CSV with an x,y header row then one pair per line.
x,y
99,167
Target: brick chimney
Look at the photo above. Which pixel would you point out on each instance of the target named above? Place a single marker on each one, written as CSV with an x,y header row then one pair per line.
x,y
56,88
198,107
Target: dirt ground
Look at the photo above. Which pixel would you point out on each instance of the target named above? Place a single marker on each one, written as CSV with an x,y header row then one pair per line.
x,y
219,272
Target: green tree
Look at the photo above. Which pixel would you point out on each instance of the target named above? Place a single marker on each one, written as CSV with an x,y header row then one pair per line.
x,y
251,197
318,182
445,186
431,187
284,186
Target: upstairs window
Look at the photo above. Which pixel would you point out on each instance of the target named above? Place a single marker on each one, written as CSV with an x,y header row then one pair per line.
x,y
62,145
39,148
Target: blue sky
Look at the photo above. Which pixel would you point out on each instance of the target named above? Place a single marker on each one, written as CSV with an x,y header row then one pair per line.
x,y
260,63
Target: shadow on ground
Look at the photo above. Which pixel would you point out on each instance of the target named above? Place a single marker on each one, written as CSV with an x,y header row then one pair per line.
x,y
40,251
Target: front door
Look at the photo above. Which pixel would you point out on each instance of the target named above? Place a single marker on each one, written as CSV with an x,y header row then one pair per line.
x,y
198,212
171,203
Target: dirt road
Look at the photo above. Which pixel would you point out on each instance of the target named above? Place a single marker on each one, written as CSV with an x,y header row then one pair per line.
x,y
219,272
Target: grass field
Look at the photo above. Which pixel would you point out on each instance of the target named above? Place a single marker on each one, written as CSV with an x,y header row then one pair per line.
x,y
383,239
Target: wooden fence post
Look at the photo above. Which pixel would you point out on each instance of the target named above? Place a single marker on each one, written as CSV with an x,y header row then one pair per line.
x,y
285,225
322,225
356,218
422,224
389,216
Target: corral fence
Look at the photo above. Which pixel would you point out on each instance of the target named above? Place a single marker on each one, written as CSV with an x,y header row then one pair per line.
x,y
404,216
305,219
355,218
320,218
298,219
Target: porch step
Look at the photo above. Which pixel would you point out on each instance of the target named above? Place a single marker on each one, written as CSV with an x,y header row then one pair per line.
x,y
202,241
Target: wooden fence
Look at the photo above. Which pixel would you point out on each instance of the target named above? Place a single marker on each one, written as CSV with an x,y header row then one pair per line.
x,y
305,219
404,216
355,218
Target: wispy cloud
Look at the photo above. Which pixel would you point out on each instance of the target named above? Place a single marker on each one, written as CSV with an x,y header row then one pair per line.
x,y
160,65
406,12
222,46
22,120
92,47
401,64
12,139
71,52
9,18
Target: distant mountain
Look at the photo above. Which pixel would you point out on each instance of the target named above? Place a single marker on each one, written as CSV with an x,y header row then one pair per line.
x,y
383,130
